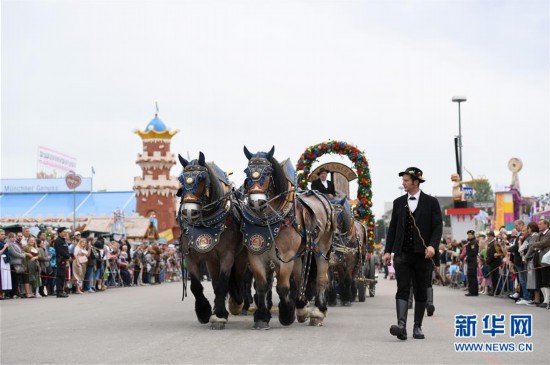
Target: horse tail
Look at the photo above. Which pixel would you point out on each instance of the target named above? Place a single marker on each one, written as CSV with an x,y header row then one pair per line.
x,y
311,285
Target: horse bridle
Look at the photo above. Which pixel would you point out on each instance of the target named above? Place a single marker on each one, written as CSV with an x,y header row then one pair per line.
x,y
190,179
258,170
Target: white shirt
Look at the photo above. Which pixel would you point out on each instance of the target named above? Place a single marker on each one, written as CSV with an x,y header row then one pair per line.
x,y
413,203
325,183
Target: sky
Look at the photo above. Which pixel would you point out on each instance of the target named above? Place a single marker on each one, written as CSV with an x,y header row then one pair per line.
x,y
81,76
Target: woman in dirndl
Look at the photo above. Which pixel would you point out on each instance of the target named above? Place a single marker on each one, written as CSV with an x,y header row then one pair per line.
x,y
31,278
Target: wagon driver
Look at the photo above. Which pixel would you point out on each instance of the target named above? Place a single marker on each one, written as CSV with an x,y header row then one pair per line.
x,y
323,185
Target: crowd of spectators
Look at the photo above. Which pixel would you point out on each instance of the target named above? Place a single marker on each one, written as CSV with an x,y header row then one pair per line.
x,y
30,264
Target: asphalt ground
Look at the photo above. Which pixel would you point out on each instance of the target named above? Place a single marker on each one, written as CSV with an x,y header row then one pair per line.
x,y
151,325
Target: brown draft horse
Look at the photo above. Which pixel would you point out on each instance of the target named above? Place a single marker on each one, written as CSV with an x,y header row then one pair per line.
x,y
279,227
347,261
211,234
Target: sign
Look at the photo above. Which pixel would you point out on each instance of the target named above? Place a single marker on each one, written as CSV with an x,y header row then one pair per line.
x,y
53,164
468,191
73,180
484,204
37,186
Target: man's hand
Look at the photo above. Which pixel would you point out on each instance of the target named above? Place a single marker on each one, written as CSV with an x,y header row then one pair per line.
x,y
429,252
387,258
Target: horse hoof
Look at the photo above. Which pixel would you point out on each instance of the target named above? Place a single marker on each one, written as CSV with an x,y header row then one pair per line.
x,y
346,304
316,322
234,307
261,325
301,319
217,325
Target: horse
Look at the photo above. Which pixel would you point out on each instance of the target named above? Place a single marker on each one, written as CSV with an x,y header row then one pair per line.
x,y
347,261
211,234
279,227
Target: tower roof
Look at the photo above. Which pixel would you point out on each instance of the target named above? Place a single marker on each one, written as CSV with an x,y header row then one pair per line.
x,y
156,124
156,129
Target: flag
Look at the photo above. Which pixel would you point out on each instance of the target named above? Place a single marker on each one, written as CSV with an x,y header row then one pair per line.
x,y
93,171
157,106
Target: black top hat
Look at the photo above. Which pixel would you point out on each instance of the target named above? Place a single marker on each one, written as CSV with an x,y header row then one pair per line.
x,y
60,229
322,170
471,231
414,172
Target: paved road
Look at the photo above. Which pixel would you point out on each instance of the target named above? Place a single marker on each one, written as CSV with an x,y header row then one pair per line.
x,y
151,325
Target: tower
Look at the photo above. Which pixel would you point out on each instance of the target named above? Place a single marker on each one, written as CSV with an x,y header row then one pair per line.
x,y
155,188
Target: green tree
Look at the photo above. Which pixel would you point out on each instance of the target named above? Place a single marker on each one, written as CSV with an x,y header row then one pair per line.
x,y
483,192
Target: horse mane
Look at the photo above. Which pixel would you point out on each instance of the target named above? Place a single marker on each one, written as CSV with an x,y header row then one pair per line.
x,y
279,179
216,186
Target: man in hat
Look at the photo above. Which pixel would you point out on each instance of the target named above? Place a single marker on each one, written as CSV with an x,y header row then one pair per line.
x,y
415,230
323,185
472,250
62,258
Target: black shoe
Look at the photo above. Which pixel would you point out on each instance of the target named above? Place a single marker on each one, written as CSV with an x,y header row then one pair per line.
x,y
417,333
400,330
470,295
62,295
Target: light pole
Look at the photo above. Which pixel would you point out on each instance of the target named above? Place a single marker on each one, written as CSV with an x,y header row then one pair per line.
x,y
459,99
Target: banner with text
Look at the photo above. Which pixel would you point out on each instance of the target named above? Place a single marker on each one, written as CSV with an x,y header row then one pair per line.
x,y
12,186
53,164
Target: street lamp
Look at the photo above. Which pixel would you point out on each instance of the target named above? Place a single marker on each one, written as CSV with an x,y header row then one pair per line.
x,y
459,99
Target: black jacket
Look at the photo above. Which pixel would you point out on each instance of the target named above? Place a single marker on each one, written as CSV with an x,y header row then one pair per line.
x,y
318,185
472,249
428,219
514,250
61,250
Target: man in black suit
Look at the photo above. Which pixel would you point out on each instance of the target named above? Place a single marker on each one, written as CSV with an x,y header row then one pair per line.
x,y
323,185
413,213
472,250
62,258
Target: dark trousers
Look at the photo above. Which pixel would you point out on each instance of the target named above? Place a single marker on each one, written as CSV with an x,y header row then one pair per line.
x,y
415,268
51,281
15,281
473,287
60,278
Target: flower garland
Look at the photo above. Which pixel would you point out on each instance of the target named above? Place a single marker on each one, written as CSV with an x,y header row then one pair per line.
x,y
364,192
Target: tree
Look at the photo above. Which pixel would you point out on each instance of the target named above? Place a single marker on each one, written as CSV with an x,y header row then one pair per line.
x,y
483,191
